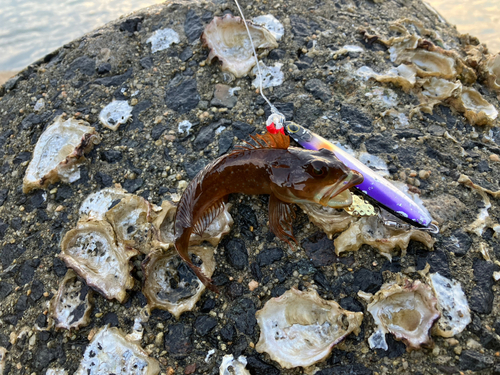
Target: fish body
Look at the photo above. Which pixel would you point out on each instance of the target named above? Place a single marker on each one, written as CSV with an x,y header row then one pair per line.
x,y
288,174
374,185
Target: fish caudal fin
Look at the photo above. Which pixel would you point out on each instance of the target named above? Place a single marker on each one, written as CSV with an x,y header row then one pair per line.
x,y
281,217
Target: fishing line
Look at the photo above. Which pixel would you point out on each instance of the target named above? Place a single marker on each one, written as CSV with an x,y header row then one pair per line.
x,y
274,110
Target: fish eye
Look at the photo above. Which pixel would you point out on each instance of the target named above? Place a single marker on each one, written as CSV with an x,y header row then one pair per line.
x,y
317,169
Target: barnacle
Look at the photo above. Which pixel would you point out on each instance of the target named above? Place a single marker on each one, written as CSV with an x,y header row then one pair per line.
x,y
58,152
228,40
231,366
405,308
301,328
170,284
71,307
110,352
92,251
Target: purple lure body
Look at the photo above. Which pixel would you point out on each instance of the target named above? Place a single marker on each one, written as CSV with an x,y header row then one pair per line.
x,y
374,185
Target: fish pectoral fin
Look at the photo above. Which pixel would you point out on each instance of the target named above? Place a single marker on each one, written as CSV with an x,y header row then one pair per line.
x,y
281,217
208,217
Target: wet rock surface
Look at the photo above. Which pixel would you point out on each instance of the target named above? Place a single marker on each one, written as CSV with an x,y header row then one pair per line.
x,y
151,157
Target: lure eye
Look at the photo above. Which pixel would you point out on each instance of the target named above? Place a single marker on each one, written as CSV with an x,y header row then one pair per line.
x,y
292,128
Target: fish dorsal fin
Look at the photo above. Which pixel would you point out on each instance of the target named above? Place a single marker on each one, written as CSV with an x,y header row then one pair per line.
x,y
266,140
208,217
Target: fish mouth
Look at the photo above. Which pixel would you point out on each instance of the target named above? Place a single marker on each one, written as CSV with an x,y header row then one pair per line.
x,y
338,194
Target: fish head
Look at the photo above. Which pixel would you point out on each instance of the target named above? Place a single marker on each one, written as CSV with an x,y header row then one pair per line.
x,y
306,176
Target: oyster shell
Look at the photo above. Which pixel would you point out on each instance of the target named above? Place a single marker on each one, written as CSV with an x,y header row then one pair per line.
x,y
228,40
92,251
492,69
56,371
403,75
3,356
110,352
301,328
371,231
164,226
71,307
405,308
231,366
58,152
115,113
97,204
170,284
329,219
453,305
476,109
131,221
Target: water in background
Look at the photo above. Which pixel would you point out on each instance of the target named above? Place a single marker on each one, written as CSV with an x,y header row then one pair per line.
x,y
29,29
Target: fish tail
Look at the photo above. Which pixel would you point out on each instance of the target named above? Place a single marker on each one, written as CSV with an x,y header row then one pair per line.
x,y
181,245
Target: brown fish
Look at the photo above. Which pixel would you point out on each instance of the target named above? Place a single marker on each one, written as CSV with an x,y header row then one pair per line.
x,y
288,174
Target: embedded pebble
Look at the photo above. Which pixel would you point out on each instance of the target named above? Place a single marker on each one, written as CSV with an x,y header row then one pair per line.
x,y
115,113
162,39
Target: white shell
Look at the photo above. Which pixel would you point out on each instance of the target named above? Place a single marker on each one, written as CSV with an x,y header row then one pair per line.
x,y
228,40
271,76
300,328
231,366
3,356
162,39
97,204
66,306
493,71
92,251
452,303
406,309
402,75
115,113
110,352
57,153
56,371
271,23
161,271
476,109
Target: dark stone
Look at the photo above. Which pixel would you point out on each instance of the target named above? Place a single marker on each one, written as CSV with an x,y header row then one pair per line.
x,y
437,259
354,369
16,223
475,361
320,279
460,244
242,130
11,83
304,63
186,54
22,303
234,290
22,157
146,62
159,316
104,68
243,316
41,321
103,180
319,249
269,255
436,130
109,318
3,196
481,296
157,131
193,28
63,192
182,94
305,267
30,121
27,271
59,267
220,279
133,185
3,229
259,367
236,253
193,168
368,281
240,344
208,306
5,290
356,139
10,252
38,199
115,80
111,156
205,136
395,348
228,332
256,271
84,64
278,291
178,342
490,340
141,107
443,158
300,27
319,89
37,290
483,166
358,121
276,54
349,303
285,108
131,25
204,324
225,142
408,133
